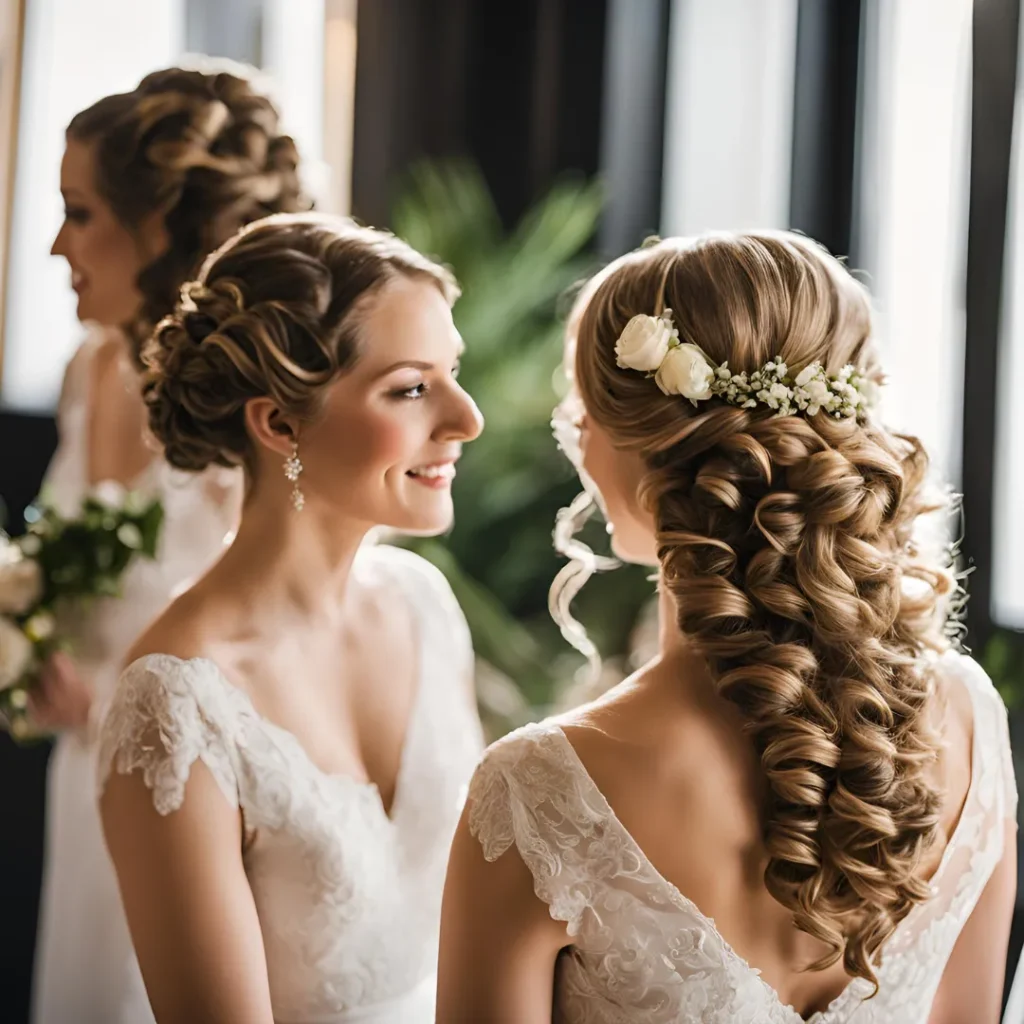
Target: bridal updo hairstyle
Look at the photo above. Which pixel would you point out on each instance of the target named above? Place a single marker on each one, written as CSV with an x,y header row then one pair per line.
x,y
786,544
204,150
275,313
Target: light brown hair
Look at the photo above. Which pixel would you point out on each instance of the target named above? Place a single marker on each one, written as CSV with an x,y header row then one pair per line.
x,y
275,313
202,149
786,544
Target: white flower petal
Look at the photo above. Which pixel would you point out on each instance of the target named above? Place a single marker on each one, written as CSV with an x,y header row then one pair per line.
x,y
686,371
643,344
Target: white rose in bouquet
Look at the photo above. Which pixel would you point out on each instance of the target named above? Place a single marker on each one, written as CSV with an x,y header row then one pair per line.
x,y
109,493
15,653
21,581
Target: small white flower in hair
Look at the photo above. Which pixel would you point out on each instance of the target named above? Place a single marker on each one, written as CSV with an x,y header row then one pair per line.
x,y
685,371
870,392
645,342
818,395
807,374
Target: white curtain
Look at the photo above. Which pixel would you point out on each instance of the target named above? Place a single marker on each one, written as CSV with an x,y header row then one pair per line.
x,y
912,220
729,115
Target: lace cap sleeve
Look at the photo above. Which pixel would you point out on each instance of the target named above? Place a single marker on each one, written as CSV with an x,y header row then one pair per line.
x,y
528,793
163,717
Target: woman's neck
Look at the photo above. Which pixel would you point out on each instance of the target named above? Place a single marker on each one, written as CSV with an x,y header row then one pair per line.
x,y
676,652
295,564
671,641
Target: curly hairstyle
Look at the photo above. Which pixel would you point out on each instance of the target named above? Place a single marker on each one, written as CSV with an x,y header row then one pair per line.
x,y
203,149
786,545
275,312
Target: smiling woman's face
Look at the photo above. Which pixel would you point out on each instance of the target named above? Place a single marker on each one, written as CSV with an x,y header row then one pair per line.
x,y
384,449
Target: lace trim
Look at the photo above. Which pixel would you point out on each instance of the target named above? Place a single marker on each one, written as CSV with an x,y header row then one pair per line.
x,y
157,723
528,790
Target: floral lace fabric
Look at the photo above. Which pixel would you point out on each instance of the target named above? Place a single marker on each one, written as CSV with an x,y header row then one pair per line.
x,y
642,952
348,896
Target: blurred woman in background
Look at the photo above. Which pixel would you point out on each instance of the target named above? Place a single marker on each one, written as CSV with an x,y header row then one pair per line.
x,y
152,181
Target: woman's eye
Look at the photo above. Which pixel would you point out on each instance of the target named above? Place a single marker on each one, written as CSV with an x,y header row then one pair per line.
x,y
76,214
416,391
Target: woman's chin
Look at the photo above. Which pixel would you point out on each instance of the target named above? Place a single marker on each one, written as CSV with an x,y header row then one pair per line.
x,y
426,520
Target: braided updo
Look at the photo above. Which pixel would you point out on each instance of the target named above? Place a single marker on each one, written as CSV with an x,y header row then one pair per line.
x,y
204,150
274,313
786,544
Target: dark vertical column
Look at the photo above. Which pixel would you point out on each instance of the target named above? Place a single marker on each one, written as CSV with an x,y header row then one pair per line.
x,y
825,121
544,111
28,443
994,86
633,124
385,50
515,87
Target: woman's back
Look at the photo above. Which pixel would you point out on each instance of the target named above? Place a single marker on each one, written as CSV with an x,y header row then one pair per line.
x,y
639,818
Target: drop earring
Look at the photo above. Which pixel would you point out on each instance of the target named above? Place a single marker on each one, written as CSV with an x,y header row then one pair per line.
x,y
292,471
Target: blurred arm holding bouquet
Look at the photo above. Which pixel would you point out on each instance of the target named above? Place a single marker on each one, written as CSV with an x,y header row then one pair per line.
x,y
48,578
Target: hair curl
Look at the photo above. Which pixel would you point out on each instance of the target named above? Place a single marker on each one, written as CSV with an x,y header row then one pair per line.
x,y
204,150
786,543
274,313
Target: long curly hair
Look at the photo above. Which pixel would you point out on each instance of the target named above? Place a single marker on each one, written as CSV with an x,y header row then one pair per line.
x,y
203,149
787,546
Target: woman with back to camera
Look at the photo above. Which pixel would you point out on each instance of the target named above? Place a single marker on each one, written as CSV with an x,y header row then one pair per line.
x,y
152,180
287,752
803,809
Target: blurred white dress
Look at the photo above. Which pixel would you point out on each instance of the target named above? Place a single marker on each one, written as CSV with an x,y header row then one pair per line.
x,y
642,952
348,895
85,969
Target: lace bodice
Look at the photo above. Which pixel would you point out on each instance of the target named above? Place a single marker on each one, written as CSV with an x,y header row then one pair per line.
x,y
642,952
200,510
349,899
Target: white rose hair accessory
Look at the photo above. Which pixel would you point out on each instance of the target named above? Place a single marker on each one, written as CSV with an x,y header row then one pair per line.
x,y
651,345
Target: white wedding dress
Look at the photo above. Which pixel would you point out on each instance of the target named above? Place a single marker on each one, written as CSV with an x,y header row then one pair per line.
x,y
85,969
348,896
642,952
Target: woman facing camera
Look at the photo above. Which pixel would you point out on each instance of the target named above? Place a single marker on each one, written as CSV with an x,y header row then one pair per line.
x,y
287,752
803,807
153,180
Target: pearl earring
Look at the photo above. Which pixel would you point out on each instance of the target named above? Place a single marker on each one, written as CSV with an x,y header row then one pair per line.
x,y
292,471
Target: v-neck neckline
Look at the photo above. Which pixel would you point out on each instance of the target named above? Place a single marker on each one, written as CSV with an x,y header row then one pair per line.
x,y
852,989
365,786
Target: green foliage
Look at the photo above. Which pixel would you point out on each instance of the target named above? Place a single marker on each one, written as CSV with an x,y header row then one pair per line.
x,y
512,480
1003,660
86,557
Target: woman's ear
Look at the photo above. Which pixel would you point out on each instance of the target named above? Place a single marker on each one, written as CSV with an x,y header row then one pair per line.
x,y
152,236
269,427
